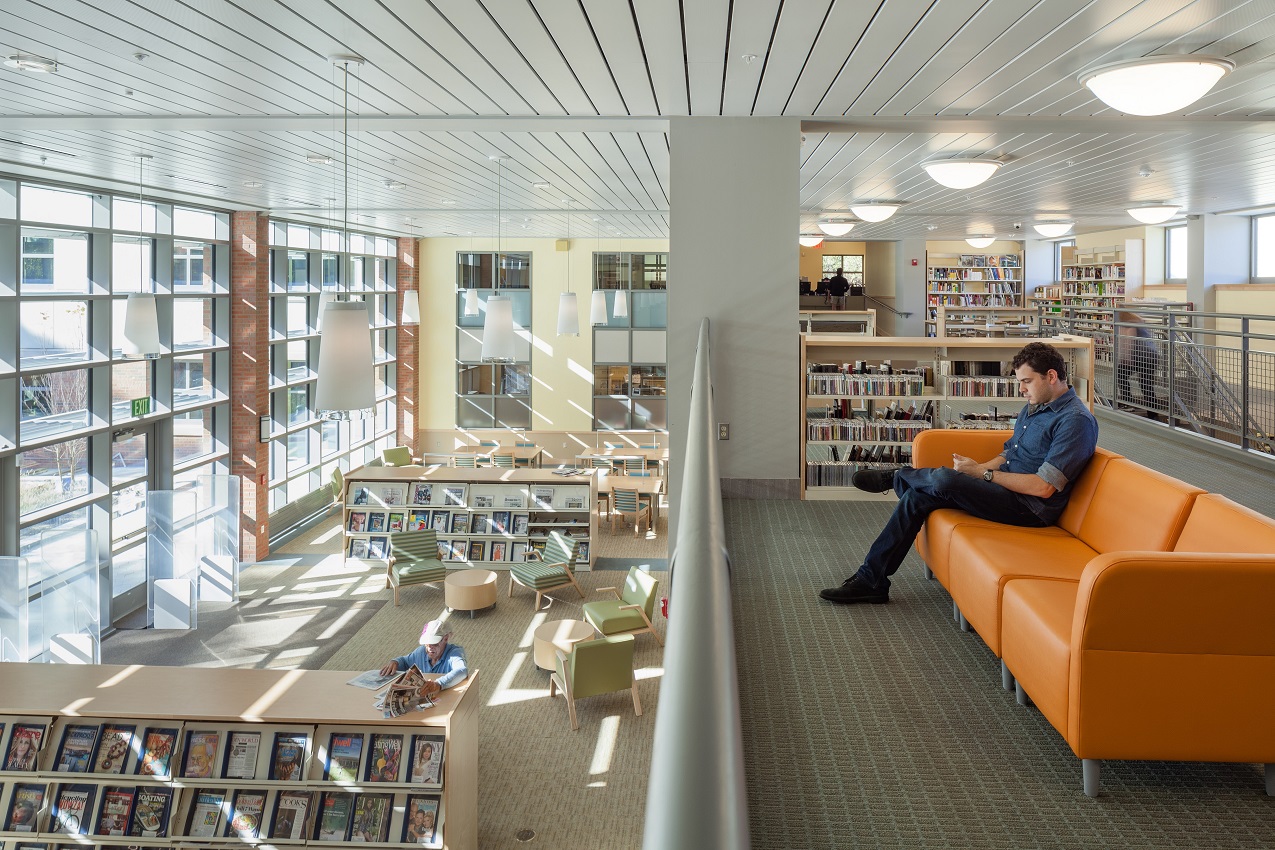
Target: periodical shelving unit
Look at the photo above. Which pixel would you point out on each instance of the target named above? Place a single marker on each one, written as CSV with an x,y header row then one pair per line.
x,y
971,280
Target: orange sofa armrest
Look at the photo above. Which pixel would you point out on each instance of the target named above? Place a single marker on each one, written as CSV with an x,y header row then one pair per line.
x,y
936,446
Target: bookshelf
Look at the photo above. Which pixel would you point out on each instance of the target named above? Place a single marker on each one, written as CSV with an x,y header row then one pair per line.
x,y
485,518
971,280
986,321
865,399
247,789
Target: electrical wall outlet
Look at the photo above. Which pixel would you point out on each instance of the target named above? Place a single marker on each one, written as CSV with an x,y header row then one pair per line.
x,y
723,431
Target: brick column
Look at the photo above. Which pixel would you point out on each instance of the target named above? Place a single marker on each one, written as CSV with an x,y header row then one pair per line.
x,y
408,347
250,375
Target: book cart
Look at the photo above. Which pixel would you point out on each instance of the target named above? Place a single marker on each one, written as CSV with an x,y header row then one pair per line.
x,y
112,756
485,518
865,399
970,280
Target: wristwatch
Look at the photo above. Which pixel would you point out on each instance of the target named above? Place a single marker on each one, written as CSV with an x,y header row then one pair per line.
x,y
987,474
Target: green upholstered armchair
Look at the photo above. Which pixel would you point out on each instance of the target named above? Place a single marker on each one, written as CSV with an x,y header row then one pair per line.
x,y
632,609
550,569
414,560
397,456
594,667
338,484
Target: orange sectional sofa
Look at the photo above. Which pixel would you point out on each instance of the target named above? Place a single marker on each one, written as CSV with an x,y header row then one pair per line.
x,y
1142,625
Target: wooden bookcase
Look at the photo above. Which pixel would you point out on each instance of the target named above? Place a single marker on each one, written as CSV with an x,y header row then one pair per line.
x,y
986,321
484,517
971,280
932,382
315,704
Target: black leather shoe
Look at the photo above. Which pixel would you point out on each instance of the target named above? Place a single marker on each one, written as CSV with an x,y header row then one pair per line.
x,y
874,480
855,590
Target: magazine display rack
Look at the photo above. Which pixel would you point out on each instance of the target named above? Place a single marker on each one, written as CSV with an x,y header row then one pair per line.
x,y
65,620
864,400
277,757
485,518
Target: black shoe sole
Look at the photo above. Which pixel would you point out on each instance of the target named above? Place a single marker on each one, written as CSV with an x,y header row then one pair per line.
x,y
858,600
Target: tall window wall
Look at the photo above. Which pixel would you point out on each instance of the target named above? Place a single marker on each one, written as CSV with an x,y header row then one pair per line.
x,y
851,263
309,264
93,432
1175,253
492,395
630,360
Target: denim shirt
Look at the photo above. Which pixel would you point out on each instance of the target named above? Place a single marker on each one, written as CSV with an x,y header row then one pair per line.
x,y
451,665
1055,441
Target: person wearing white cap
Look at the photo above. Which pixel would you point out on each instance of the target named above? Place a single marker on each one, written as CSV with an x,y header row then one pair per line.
x,y
434,655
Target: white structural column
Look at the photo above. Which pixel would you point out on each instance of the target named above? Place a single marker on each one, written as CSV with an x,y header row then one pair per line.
x,y
733,258
909,287
1221,245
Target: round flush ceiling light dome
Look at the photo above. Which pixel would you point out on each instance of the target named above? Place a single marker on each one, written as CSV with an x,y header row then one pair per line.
x,y
980,241
836,228
1052,229
961,173
25,62
874,211
1156,85
808,241
1154,213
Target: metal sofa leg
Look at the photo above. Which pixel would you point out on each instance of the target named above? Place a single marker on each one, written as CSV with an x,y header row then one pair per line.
x,y
1270,780
1020,694
1092,770
956,611
929,574
965,624
1007,678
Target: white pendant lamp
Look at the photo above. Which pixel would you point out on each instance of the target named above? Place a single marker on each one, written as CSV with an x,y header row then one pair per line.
x,y
1052,229
498,330
345,388
961,173
836,228
568,308
411,308
1154,213
598,308
141,319
621,306
471,303
874,212
980,241
810,241
1156,85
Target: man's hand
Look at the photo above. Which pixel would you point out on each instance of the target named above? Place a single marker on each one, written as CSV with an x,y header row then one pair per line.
x,y
967,466
390,669
429,688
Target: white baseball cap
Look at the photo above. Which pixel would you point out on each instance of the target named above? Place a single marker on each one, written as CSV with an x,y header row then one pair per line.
x,y
435,632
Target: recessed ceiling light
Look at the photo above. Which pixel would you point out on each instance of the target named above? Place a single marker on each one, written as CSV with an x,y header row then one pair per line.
x,y
252,184
393,184
37,64
961,173
1156,85
449,203
318,158
541,184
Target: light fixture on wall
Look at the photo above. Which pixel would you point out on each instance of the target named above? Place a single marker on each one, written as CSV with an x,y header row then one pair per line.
x,y
345,388
1052,229
980,241
874,211
807,240
1156,85
141,318
498,324
836,228
411,300
568,307
961,173
1154,213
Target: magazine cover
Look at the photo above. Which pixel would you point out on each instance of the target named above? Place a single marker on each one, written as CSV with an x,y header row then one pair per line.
x,y
454,496
427,759
76,750
241,755
113,748
24,743
440,521
288,756
383,763
205,814
24,808
500,522
358,521
391,495
378,547
358,547
117,806
422,493
420,819
150,812
344,754
376,522
361,495
371,822
201,754
481,524
245,814
334,816
157,752
460,523
71,811
396,523
521,522
291,812
417,520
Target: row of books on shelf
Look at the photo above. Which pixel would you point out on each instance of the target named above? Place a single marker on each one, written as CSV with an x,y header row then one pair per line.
x,y
839,473
890,430
844,408
966,387
987,273
427,494
953,295
1113,270
1109,289
248,814
900,384
1005,261
210,751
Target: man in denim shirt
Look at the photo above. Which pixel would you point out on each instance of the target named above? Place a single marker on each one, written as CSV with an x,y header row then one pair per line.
x,y
1027,484
434,655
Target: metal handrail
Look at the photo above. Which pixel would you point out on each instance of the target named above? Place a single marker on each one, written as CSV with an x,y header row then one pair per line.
x,y
696,795
882,304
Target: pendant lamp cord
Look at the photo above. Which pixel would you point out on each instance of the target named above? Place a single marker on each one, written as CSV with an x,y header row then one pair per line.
x,y
345,164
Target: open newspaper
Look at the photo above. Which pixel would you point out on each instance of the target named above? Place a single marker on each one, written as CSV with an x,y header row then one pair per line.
x,y
403,694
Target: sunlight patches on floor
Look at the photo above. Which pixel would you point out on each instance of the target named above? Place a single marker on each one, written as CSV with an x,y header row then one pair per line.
x,y
608,734
334,531
334,629
536,620
503,694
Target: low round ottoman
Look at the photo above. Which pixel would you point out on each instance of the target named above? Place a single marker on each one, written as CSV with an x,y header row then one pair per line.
x,y
555,635
469,590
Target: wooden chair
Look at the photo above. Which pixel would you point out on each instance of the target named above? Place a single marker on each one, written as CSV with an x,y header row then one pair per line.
x,y
634,464
503,461
652,463
594,667
414,560
465,461
625,503
631,611
550,569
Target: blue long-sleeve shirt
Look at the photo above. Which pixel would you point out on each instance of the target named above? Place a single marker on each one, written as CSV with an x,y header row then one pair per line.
x,y
451,665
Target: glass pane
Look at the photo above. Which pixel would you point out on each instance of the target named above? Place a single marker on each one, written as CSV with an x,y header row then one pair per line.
x,y
474,412
1177,251
650,413
609,272
53,474
381,270
648,381
299,449
301,486
512,412
130,215
199,223
330,240
610,380
278,460
612,320
298,236
72,524
298,404
56,205
611,414
128,459
382,381
475,271
192,379
1264,247
129,381
515,271
128,569
650,271
54,332
649,309
193,323
331,267
474,380
192,435
513,380
55,261
298,365
298,270
192,267
520,301
358,274
298,315
128,511
54,404
331,437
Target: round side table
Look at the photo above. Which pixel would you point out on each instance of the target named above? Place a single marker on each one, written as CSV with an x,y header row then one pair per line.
x,y
469,590
555,635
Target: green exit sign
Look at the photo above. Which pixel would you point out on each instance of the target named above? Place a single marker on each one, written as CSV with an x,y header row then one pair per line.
x,y
141,406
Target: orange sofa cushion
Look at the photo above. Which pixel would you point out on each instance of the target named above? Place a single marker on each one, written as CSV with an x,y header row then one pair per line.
x,y
1136,508
1036,620
1216,524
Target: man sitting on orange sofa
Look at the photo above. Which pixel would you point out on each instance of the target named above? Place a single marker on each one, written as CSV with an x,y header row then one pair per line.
x,y
1027,484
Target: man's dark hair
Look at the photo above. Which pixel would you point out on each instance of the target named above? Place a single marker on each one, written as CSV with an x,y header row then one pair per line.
x,y
839,271
1041,357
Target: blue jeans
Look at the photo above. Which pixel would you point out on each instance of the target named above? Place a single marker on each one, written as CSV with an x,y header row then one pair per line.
x,y
923,491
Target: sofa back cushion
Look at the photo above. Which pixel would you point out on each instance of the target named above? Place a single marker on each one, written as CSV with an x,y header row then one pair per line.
x,y
1082,492
1216,524
1136,508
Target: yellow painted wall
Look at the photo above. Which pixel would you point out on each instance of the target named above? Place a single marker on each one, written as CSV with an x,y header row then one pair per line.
x,y
811,263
